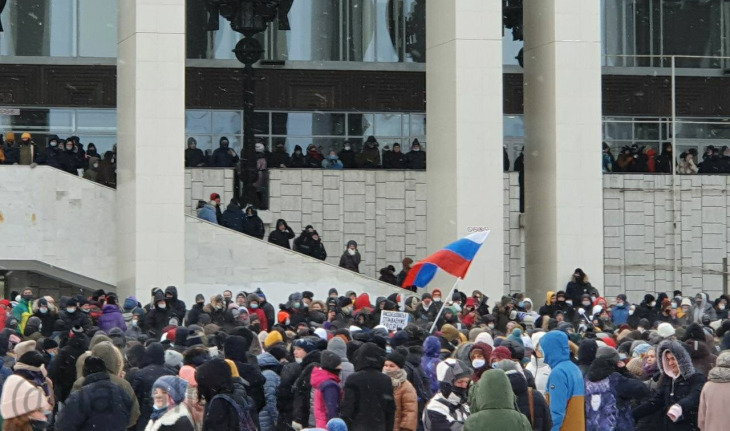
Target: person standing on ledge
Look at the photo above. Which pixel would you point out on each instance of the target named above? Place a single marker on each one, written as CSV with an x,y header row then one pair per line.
x,y
351,257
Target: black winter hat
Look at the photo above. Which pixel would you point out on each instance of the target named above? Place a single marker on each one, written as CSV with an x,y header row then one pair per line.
x,y
397,359
649,298
199,297
279,352
307,294
33,358
331,291
93,364
235,348
426,295
344,301
400,338
330,361
49,343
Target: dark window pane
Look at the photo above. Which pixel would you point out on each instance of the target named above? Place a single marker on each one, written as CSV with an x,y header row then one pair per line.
x,y
261,123
360,124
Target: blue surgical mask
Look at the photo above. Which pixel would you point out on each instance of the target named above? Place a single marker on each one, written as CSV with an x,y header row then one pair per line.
x,y
254,305
43,310
333,157
71,310
521,304
495,365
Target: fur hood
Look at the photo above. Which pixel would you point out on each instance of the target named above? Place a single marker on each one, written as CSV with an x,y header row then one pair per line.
x,y
214,302
170,418
686,369
51,307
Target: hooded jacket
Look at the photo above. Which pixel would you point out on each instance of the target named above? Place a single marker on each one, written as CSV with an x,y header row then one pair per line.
x,y
48,319
607,397
253,225
337,345
368,403
62,370
494,405
683,390
233,218
208,213
175,304
431,353
715,397
157,318
565,391
327,396
350,261
100,404
705,308
270,368
223,157
142,380
281,237
111,317
297,158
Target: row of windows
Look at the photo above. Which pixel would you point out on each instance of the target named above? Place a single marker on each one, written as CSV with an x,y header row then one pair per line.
x,y
331,129
370,31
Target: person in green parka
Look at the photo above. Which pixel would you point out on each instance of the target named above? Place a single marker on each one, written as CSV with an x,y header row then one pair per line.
x,y
494,406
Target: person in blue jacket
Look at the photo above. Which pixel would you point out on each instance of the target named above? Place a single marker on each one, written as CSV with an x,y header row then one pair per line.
x,y
207,213
620,313
565,391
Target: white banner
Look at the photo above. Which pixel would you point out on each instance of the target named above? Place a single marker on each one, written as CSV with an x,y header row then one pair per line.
x,y
393,320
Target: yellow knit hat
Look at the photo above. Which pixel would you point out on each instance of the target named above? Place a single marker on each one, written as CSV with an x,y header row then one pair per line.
x,y
26,135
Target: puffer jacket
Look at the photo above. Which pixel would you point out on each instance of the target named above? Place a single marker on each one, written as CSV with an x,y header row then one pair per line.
x,y
143,379
431,352
270,368
539,415
683,389
406,404
327,396
608,395
111,317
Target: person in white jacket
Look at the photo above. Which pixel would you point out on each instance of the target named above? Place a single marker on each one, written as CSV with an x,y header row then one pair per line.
x,y
537,366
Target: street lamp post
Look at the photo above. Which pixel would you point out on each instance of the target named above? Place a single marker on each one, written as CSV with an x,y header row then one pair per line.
x,y
249,17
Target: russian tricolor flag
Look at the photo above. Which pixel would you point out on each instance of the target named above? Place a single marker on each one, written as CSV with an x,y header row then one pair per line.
x,y
454,259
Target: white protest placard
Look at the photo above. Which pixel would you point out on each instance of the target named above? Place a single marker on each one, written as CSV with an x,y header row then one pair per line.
x,y
393,320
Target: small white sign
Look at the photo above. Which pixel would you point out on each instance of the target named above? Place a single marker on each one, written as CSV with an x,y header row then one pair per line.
x,y
393,320
9,111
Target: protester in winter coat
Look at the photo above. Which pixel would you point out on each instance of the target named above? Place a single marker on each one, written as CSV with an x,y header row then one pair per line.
x,y
111,316
215,386
100,404
233,217
565,391
253,225
702,359
327,392
431,359
579,286
715,396
48,314
196,310
338,346
448,409
678,397
369,156
368,403
270,368
416,157
702,307
169,411
282,234
347,156
153,367
158,317
223,157
493,405
608,393
175,304
63,368
194,157
407,262
208,212
406,400
529,401
351,257
236,349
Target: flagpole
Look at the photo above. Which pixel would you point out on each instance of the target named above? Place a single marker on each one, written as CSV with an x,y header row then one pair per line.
x,y
442,307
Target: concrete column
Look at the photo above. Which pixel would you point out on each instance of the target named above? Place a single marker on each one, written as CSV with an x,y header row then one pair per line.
x,y
563,189
464,109
151,127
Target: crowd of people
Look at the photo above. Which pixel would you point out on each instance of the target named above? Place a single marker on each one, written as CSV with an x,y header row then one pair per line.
x,y
371,156
237,362
645,160
67,155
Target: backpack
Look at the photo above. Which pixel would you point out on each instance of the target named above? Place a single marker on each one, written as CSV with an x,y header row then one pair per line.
x,y
245,421
601,409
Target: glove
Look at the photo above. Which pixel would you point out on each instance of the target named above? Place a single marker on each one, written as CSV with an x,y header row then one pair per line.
x,y
675,412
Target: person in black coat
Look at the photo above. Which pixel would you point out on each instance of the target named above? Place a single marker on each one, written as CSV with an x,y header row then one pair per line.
x,y
416,157
285,398
387,275
579,286
174,304
158,317
99,405
310,243
347,157
279,158
235,349
665,159
233,217
62,370
268,309
49,155
73,316
68,160
368,403
153,367
681,386
505,160
195,311
297,158
253,225
645,310
313,159
282,234
194,157
223,156
47,314
539,415
398,159
215,386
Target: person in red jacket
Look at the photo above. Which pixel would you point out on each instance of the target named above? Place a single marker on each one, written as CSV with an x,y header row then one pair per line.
x,y
363,301
253,308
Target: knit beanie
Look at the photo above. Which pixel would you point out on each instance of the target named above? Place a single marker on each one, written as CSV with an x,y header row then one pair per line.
x,y
450,332
23,348
397,359
636,367
330,361
173,358
273,338
20,397
187,373
501,353
174,386
665,330
608,353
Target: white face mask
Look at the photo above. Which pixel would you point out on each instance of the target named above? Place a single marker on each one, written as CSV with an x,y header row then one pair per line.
x,y
352,251
721,306
490,325
652,303
478,363
426,306
298,360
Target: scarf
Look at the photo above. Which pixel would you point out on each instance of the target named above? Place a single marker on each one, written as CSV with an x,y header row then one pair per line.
x,y
397,377
35,375
649,370
158,413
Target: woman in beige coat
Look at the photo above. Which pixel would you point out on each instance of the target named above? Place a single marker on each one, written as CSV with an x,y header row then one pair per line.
x,y
715,396
406,401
